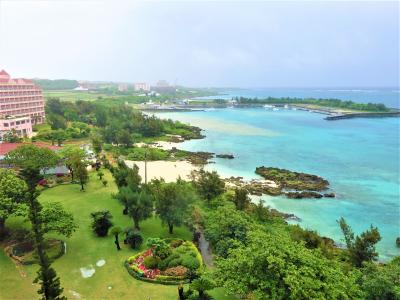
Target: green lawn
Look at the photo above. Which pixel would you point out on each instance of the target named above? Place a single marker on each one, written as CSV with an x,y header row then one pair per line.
x,y
84,249
68,95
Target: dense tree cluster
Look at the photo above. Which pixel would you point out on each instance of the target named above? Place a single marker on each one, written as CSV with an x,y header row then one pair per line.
x,y
335,103
31,161
117,124
57,84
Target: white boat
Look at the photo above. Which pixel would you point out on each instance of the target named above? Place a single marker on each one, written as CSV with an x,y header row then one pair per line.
x,y
267,106
286,106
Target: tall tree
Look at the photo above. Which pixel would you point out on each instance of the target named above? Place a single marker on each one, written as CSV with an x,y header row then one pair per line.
x,y
12,193
272,266
31,160
361,248
71,155
56,219
97,143
139,204
81,172
208,184
241,199
172,202
124,138
120,173
116,231
381,281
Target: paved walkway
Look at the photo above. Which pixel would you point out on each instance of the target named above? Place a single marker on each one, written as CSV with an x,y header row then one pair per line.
x,y
205,250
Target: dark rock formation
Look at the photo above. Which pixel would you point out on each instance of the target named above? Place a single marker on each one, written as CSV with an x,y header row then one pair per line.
x,y
398,242
293,180
199,158
303,194
227,156
330,195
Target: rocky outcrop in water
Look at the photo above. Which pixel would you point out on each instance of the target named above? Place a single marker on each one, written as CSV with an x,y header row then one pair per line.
x,y
227,156
199,158
293,180
303,194
283,182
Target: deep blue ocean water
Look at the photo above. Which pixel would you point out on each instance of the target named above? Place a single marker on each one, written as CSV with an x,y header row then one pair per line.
x,y
359,157
388,96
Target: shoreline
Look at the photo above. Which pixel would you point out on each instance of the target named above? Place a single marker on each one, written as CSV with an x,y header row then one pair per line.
x,y
331,112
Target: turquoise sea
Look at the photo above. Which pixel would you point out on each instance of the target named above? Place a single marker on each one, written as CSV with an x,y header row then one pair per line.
x,y
389,96
359,157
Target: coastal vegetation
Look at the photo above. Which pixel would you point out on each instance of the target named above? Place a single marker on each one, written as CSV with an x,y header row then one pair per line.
x,y
293,180
333,103
58,84
117,124
255,253
277,181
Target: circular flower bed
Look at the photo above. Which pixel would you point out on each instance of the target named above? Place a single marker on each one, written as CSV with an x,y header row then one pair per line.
x,y
25,253
165,261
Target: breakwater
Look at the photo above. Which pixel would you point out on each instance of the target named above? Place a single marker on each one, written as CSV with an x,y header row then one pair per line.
x,y
362,115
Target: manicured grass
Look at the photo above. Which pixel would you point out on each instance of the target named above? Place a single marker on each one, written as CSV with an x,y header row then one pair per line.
x,y
68,95
84,249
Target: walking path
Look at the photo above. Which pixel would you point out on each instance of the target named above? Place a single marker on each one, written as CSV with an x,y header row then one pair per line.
x,y
205,250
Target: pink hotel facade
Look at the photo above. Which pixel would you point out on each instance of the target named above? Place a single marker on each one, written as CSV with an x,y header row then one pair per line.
x,y
21,105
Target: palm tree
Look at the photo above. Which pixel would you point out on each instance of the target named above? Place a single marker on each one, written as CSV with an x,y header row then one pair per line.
x,y
202,285
116,230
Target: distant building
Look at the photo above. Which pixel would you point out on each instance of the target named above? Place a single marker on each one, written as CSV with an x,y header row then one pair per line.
x,y
20,125
86,85
21,105
163,86
81,88
122,87
142,86
162,83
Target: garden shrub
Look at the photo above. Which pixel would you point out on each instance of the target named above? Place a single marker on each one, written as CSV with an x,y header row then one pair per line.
x,y
176,243
175,262
176,271
151,262
160,248
165,262
190,262
22,235
134,239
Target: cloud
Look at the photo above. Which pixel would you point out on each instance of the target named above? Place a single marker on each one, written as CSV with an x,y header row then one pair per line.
x,y
237,43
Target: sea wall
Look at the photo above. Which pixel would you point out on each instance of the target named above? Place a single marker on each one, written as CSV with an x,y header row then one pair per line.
x,y
363,115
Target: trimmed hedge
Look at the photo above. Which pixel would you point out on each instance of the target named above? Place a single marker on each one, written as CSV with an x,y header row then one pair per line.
x,y
135,272
52,258
159,279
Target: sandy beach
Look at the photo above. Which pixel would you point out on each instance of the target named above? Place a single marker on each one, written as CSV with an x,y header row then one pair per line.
x,y
160,144
169,170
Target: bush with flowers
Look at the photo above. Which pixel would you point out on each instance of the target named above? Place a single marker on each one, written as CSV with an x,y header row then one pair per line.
x,y
167,262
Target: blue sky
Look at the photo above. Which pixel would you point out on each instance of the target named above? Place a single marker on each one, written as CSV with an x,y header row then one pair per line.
x,y
210,43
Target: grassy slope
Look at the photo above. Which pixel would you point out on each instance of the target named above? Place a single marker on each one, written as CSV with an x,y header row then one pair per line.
x,y
68,95
85,249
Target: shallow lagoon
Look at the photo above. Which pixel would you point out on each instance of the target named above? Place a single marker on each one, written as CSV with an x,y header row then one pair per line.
x,y
359,157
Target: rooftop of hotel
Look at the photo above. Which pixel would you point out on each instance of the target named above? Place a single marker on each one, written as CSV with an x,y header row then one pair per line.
x,y
7,147
5,78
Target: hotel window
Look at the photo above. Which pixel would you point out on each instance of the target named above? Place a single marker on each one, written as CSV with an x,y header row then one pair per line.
x,y
5,124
